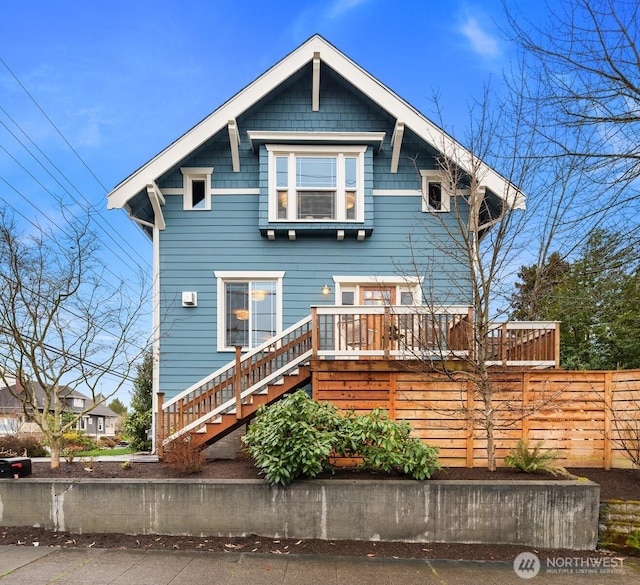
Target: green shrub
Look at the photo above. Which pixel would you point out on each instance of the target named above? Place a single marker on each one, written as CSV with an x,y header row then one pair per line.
x,y
78,439
297,436
293,438
387,445
532,459
24,444
184,455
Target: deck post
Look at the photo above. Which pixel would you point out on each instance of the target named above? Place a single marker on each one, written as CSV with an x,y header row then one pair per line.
x,y
556,340
386,332
237,382
315,332
503,345
160,426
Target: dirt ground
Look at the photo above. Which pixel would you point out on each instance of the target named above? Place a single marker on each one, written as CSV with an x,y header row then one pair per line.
x,y
615,484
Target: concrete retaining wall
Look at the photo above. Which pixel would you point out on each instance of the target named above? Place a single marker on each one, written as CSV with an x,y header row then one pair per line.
x,y
549,514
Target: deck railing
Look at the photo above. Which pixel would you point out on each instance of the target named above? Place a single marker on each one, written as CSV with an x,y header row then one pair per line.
x,y
354,332
421,332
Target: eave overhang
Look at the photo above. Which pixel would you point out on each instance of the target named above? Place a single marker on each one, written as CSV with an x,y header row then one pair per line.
x,y
314,50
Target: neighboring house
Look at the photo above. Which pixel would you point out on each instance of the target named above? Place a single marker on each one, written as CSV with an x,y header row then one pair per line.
x,y
299,192
100,421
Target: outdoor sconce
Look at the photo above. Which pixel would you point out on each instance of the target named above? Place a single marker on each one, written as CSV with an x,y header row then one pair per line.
x,y
326,290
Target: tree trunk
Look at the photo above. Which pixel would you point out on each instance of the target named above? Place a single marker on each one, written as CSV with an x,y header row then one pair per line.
x,y
55,454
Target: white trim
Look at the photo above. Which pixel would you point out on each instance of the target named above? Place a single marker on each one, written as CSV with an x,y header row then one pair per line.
x,y
249,274
157,200
315,87
225,276
155,346
292,152
275,76
396,145
234,142
218,191
412,284
436,176
395,193
304,138
190,174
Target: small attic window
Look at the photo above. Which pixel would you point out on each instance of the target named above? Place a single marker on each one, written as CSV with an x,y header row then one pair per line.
x,y
436,192
196,188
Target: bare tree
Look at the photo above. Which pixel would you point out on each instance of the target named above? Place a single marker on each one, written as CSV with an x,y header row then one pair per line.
x,y
64,322
585,68
488,237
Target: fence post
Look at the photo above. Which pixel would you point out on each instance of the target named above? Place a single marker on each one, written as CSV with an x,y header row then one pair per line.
x,y
608,407
237,383
160,426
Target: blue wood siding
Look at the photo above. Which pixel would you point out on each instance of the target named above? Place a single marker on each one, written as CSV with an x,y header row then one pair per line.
x,y
197,243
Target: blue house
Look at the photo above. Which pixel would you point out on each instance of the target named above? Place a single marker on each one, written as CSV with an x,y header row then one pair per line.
x,y
282,229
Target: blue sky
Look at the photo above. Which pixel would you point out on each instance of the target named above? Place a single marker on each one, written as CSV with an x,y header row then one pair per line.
x,y
118,81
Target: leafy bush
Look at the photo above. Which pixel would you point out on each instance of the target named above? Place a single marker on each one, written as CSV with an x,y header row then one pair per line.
x,y
78,439
297,436
293,438
387,445
184,455
21,445
106,443
532,459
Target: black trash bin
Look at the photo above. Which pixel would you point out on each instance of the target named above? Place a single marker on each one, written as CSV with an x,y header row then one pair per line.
x,y
12,466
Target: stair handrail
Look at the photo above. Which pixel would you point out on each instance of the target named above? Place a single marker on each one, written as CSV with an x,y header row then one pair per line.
x,y
232,364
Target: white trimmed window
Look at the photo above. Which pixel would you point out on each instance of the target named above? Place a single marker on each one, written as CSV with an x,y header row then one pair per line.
x,y
316,183
249,308
436,192
196,188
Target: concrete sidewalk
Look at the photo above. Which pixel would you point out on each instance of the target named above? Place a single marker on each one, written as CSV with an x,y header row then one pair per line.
x,y
38,566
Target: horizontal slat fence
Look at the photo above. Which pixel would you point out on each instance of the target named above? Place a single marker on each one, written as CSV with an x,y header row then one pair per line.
x,y
585,415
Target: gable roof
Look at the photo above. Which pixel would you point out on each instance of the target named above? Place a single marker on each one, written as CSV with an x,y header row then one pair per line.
x,y
315,47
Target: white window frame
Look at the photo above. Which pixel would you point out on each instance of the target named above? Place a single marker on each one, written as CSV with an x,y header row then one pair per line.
x,y
226,276
402,284
190,174
340,153
433,176
100,422
78,402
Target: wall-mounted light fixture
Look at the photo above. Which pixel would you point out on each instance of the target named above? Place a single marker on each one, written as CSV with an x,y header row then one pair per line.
x,y
326,290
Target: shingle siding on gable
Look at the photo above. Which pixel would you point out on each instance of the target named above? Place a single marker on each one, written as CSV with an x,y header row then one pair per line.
x,y
197,243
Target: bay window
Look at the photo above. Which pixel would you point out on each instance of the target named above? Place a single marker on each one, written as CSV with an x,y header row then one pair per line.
x,y
316,183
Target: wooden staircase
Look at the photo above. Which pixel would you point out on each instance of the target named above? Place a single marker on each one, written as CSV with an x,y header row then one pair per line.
x,y
230,397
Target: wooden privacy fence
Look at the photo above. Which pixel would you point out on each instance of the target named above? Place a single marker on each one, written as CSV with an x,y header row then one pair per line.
x,y
585,415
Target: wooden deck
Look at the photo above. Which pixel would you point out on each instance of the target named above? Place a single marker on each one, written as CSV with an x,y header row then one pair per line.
x,y
229,397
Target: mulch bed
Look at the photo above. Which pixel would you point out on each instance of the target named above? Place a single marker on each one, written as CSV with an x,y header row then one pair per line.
x,y
615,484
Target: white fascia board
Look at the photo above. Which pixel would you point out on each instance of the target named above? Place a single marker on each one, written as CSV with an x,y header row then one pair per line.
x,y
211,125
276,75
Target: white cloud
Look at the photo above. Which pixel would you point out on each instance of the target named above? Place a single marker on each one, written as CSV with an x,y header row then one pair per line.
x,y
339,7
481,42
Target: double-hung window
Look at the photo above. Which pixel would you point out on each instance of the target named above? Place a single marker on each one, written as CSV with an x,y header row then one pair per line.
x,y
249,308
316,184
